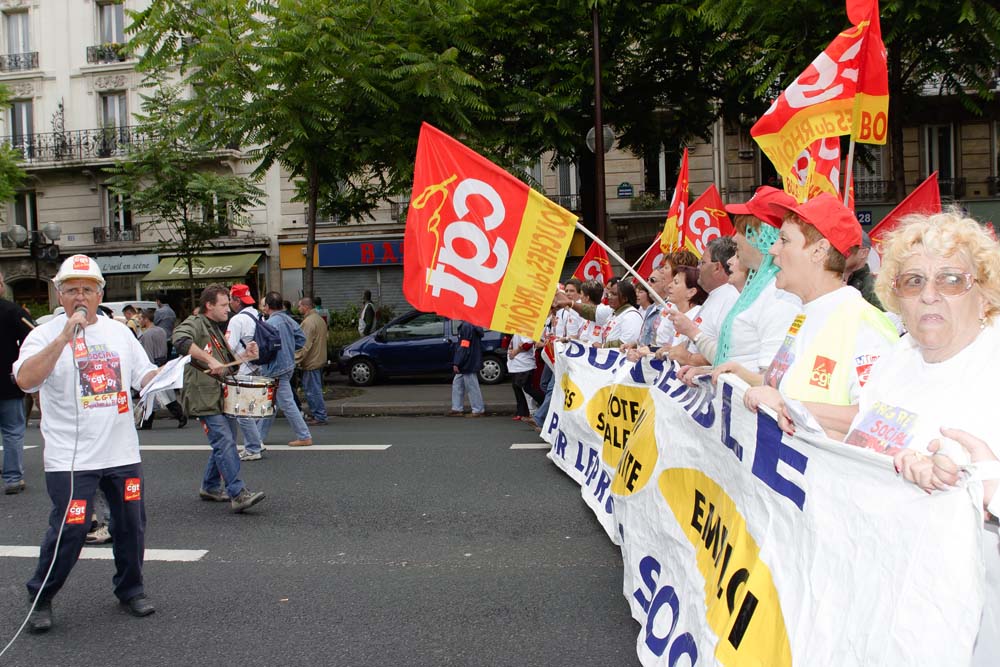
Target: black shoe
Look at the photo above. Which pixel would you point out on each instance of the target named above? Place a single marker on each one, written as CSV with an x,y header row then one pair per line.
x,y
177,412
182,421
139,606
246,499
41,619
147,425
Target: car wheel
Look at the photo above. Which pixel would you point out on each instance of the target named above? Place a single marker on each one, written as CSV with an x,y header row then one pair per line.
x,y
492,371
361,373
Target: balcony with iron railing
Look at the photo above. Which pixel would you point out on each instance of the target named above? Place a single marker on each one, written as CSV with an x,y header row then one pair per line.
x,y
76,145
872,191
108,52
19,62
568,202
112,235
398,209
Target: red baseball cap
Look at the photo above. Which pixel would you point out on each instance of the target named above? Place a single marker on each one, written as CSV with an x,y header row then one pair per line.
x,y
759,206
835,222
241,292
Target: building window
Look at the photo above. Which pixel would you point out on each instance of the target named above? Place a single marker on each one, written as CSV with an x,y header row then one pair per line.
x,y
870,181
939,155
22,126
215,213
17,33
111,21
114,110
26,210
568,186
118,214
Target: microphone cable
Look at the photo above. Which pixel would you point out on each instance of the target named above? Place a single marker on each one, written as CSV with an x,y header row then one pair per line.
x,y
78,333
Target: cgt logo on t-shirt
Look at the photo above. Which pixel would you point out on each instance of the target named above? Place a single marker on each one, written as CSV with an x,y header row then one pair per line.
x,y
822,370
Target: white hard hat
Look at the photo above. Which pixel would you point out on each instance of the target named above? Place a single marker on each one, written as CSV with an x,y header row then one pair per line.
x,y
79,266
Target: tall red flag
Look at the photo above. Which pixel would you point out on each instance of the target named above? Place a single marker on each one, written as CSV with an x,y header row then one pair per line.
x,y
845,90
480,245
925,198
816,170
706,220
652,260
595,265
670,239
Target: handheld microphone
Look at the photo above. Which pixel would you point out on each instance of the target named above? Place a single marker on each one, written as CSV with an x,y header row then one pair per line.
x,y
80,309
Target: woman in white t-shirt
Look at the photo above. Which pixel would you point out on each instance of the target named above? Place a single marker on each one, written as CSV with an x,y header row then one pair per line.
x,y
941,273
686,296
520,367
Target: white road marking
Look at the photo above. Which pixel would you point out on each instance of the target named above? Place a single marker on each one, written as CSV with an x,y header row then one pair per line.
x,y
531,445
26,447
104,553
270,448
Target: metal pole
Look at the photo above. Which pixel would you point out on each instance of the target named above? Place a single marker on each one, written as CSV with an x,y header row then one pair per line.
x,y
652,293
599,195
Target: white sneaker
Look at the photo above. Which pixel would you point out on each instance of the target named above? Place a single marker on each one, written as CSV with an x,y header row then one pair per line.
x,y
100,535
247,455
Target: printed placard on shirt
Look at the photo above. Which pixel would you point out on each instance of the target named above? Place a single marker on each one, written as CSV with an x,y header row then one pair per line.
x,y
885,428
822,371
101,379
863,366
77,512
785,356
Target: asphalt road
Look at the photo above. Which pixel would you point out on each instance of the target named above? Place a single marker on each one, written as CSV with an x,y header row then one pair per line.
x,y
447,548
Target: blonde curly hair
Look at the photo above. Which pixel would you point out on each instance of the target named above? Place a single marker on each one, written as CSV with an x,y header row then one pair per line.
x,y
942,234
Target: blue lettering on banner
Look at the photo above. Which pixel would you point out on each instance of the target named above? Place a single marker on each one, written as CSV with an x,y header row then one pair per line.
x,y
727,419
696,401
654,601
608,362
561,442
771,450
553,423
574,349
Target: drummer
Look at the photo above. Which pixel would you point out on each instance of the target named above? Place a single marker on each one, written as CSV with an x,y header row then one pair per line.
x,y
203,336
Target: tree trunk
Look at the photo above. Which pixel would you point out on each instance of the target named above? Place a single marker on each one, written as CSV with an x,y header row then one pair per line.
x,y
312,183
895,63
189,259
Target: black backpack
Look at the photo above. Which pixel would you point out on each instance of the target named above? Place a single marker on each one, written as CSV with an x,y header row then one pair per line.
x,y
267,338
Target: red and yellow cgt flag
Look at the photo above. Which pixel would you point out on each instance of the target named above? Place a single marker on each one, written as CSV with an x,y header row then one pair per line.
x,y
816,170
595,265
480,245
670,238
706,220
844,91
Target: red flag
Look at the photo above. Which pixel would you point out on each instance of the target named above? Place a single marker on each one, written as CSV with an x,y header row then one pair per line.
x,y
670,239
925,198
653,260
844,91
816,170
480,245
706,220
595,265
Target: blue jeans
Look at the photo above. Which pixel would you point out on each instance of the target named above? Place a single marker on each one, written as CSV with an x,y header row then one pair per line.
x,y
12,428
312,387
466,383
251,438
547,383
224,461
283,396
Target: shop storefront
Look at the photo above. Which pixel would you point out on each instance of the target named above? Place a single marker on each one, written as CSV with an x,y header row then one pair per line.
x,y
170,277
123,275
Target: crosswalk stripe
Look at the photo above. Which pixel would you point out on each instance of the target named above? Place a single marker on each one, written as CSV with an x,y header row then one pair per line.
x,y
531,445
26,447
271,448
104,553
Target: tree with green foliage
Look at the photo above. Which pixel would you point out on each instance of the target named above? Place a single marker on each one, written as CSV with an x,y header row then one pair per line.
x,y
11,173
334,92
167,179
935,47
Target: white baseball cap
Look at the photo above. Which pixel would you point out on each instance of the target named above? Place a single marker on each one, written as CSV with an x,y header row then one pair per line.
x,y
79,266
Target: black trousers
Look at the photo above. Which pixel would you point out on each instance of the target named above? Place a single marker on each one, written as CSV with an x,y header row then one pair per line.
x,y
521,382
124,489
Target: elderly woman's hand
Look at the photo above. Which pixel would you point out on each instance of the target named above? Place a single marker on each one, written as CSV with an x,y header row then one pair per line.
x,y
728,367
680,354
633,353
979,452
688,374
772,398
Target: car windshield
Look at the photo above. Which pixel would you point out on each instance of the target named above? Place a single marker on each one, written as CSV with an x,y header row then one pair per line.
x,y
425,325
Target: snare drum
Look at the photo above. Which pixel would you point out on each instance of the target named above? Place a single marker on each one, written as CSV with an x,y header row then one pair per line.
x,y
248,396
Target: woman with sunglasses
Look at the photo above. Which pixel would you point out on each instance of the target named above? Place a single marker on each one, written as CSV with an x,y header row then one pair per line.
x,y
941,274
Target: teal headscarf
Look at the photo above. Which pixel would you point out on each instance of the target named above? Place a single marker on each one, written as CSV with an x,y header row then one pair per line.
x,y
761,238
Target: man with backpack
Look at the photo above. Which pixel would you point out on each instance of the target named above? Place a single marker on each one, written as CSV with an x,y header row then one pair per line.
x,y
281,368
241,330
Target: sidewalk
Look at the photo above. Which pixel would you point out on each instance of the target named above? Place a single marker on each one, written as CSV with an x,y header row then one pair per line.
x,y
413,399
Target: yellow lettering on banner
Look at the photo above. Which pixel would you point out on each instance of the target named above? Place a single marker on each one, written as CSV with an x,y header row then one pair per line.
x,y
636,463
783,147
742,604
533,271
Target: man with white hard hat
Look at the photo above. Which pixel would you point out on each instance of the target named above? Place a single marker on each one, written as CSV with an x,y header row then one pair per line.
x,y
84,367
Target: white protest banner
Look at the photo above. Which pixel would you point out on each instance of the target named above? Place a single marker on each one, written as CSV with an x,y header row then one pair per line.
x,y
743,546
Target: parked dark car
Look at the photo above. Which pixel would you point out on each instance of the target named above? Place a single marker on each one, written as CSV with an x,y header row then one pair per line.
x,y
417,344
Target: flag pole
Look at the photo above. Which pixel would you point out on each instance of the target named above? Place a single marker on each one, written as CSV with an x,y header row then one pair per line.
x,y
652,293
655,243
848,168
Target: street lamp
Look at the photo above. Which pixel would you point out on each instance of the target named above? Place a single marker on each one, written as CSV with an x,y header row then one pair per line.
x,y
17,234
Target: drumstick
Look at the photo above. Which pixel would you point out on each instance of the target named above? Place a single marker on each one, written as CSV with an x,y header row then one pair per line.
x,y
231,363
25,320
